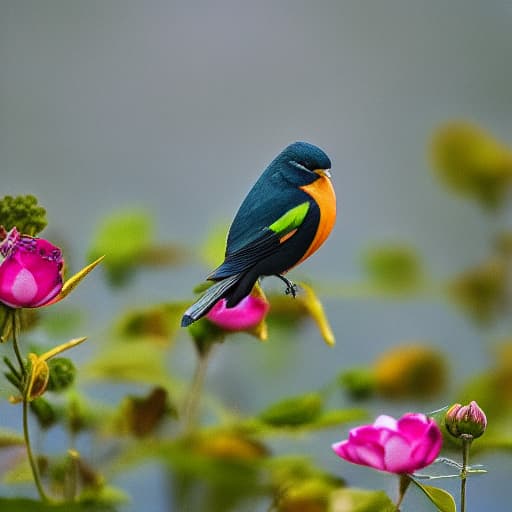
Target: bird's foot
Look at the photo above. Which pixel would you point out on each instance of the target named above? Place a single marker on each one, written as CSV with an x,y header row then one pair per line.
x,y
291,288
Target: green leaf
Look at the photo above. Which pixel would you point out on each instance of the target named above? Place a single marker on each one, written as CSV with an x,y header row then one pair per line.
x,y
393,268
212,251
9,438
294,411
159,323
59,323
336,417
23,505
439,497
133,363
360,500
122,236
472,162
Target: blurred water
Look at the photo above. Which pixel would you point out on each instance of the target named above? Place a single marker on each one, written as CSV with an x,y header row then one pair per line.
x,y
177,106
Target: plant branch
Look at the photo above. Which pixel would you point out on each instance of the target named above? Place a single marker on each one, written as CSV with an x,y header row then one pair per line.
x,y
192,399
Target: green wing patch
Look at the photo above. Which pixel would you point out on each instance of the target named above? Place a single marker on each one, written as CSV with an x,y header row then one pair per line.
x,y
291,220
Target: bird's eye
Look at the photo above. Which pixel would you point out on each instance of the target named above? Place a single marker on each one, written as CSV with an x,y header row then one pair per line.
x,y
299,166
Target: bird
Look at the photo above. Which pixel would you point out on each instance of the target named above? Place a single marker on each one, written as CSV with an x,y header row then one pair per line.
x,y
286,216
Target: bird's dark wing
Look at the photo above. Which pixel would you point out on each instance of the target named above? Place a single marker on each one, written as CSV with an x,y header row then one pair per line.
x,y
266,243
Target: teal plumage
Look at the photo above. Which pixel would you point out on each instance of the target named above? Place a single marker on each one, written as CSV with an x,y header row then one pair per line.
x,y
285,217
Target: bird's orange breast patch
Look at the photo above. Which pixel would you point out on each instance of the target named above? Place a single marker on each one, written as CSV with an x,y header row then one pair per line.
x,y
322,191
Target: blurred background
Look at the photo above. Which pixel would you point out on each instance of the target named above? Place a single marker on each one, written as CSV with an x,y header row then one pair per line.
x,y
175,108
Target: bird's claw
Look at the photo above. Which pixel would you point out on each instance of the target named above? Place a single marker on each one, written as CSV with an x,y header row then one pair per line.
x,y
291,289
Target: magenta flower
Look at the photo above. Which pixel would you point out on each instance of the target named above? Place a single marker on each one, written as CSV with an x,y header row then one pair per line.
x,y
396,446
246,315
30,271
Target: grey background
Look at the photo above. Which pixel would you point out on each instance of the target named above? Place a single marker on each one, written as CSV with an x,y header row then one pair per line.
x,y
178,106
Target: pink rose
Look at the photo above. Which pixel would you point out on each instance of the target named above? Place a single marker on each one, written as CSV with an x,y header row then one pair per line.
x,y
396,446
30,271
247,314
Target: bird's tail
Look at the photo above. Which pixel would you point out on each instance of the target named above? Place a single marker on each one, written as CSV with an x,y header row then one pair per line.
x,y
216,292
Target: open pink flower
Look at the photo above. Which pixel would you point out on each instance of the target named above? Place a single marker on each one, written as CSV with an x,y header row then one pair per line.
x,y
246,315
396,446
30,271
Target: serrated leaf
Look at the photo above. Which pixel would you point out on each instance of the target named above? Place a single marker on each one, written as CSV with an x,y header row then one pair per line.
x,y
443,500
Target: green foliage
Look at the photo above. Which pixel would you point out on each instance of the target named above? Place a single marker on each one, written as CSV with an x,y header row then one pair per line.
x,y
141,416
46,414
123,237
358,382
62,374
8,439
442,500
24,213
57,324
481,291
25,505
205,334
294,411
159,323
471,162
393,268
360,500
141,363
223,462
126,237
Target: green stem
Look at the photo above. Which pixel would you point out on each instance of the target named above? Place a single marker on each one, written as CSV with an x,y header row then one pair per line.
x,y
31,458
26,433
191,403
15,333
466,445
404,483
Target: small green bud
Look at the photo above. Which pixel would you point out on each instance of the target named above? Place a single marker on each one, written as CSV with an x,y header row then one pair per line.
x,y
45,414
24,213
62,374
205,334
467,420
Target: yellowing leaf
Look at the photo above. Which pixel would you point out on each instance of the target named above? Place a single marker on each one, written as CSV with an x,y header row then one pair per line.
x,y
316,311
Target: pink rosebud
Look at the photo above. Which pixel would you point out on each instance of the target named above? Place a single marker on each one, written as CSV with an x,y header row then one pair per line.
x,y
30,271
246,315
467,420
396,446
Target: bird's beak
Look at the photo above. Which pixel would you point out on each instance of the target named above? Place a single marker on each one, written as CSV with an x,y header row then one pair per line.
x,y
323,172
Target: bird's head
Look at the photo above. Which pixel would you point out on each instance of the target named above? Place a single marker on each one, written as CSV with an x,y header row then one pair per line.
x,y
304,163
